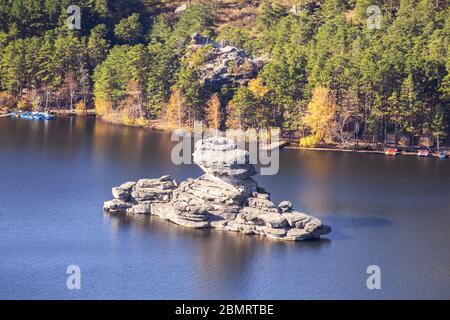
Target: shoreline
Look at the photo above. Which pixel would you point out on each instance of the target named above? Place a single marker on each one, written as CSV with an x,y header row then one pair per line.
x,y
399,153
159,125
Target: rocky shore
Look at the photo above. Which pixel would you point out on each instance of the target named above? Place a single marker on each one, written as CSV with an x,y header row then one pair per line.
x,y
225,197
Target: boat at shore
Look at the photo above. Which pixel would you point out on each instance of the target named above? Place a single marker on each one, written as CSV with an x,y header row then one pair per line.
x,y
35,116
391,151
423,153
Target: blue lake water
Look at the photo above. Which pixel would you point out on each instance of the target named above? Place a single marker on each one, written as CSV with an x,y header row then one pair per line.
x,y
54,177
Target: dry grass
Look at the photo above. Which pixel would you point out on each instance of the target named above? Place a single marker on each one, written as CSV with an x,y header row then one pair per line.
x,y
237,13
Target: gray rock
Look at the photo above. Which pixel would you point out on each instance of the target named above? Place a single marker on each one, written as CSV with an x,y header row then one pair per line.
x,y
119,193
298,234
295,217
253,215
181,8
219,157
248,229
232,226
116,205
127,186
162,183
109,205
324,229
219,224
264,196
285,206
225,197
190,224
227,49
260,203
141,208
275,232
160,209
275,220
312,225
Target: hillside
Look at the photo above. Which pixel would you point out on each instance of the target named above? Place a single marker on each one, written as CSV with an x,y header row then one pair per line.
x,y
327,72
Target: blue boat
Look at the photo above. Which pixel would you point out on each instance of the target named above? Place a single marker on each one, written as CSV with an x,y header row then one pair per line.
x,y
37,116
443,155
26,115
43,116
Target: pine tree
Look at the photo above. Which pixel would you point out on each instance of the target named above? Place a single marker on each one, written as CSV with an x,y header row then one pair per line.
x,y
244,106
188,83
129,30
98,45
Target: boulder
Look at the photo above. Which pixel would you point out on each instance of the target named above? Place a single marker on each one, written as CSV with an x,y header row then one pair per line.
x,y
219,224
190,223
181,8
264,196
141,208
295,217
225,197
275,220
298,234
219,157
116,206
260,203
275,232
285,206
127,186
119,193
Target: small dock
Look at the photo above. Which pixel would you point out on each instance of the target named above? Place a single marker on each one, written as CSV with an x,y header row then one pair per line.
x,y
6,115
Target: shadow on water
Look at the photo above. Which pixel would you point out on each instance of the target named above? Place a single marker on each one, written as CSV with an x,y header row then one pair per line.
x,y
227,257
341,224
357,222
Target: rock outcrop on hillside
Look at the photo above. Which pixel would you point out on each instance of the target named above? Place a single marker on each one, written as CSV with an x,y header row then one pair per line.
x,y
225,197
226,64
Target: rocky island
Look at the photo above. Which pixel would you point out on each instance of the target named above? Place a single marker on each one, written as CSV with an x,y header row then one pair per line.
x,y
225,197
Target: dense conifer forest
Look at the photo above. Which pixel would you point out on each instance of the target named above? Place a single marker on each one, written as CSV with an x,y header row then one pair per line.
x,y
376,71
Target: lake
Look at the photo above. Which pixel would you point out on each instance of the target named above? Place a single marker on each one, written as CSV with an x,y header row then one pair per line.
x,y
55,176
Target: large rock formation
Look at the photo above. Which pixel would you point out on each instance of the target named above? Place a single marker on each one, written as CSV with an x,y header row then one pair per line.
x,y
225,64
225,197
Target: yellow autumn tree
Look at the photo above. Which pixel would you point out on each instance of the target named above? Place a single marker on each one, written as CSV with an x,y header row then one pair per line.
x,y
214,112
175,108
258,88
102,106
80,108
233,119
320,117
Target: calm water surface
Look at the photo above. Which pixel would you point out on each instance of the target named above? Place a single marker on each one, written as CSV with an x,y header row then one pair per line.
x,y
54,177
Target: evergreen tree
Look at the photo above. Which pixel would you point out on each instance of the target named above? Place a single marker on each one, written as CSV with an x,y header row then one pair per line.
x,y
190,87
129,30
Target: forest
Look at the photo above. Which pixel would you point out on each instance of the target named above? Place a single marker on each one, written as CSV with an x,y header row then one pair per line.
x,y
333,74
